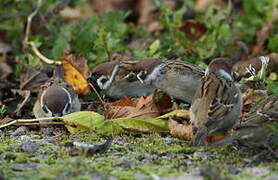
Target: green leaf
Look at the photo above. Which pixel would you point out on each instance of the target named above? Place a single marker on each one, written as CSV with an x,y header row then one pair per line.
x,y
273,44
83,122
154,48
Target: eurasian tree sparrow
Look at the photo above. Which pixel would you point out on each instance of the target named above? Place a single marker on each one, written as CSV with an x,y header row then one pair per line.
x,y
254,129
176,78
56,98
217,103
118,79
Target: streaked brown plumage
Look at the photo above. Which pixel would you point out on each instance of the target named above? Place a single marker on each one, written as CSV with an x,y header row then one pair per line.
x,y
217,103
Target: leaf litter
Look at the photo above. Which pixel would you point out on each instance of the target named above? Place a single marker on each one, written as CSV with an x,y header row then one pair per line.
x,y
145,114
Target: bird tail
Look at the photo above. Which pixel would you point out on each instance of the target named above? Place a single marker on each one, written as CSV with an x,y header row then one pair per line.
x,y
199,138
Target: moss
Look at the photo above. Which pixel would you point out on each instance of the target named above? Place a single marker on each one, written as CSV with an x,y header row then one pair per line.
x,y
128,157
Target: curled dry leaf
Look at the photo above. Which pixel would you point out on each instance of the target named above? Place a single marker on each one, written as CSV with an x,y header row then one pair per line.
x,y
180,126
75,72
193,29
143,107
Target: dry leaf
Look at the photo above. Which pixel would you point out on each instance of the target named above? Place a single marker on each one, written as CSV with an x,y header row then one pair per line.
x,y
262,36
201,5
6,120
75,73
180,126
193,29
143,107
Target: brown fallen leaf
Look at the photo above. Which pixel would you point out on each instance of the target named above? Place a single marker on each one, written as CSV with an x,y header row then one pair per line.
x,y
193,29
5,120
201,5
31,79
76,72
180,126
143,107
261,37
74,13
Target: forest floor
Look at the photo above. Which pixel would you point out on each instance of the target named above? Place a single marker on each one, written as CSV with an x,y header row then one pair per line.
x,y
195,31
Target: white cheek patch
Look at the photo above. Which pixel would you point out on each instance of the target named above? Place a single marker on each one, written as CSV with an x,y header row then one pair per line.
x,y
102,85
69,103
207,72
107,84
139,77
43,93
225,75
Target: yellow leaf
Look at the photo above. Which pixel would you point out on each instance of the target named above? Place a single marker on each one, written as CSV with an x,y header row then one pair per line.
x,y
75,72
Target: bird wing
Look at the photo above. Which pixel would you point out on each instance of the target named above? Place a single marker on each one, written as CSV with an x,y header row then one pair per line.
x,y
224,99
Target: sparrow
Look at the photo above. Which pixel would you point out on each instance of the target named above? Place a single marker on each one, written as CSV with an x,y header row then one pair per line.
x,y
118,79
176,78
217,104
250,67
254,129
56,98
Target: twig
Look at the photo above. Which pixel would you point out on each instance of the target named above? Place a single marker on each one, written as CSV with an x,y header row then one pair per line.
x,y
29,22
99,97
29,120
26,41
38,123
41,56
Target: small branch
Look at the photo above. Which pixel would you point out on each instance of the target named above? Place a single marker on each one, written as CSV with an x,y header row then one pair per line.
x,y
38,123
26,41
29,121
41,56
100,99
29,23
